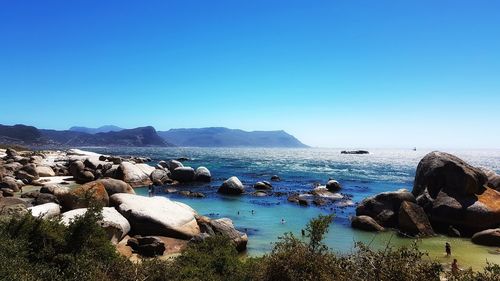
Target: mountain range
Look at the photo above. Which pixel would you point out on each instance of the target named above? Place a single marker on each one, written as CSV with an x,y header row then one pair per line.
x,y
110,135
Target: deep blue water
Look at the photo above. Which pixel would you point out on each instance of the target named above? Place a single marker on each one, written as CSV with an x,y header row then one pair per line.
x,y
299,170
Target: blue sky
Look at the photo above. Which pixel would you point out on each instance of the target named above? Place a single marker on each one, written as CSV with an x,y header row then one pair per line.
x,y
333,73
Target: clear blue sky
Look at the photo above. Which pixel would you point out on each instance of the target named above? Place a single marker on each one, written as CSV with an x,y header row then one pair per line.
x,y
333,73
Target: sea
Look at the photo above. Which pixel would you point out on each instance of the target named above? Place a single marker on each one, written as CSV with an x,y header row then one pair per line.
x,y
265,219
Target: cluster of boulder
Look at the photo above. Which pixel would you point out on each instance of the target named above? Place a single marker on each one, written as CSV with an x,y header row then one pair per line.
x,y
320,195
142,223
449,196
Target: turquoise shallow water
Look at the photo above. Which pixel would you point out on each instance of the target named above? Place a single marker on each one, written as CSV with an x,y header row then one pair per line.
x,y
360,176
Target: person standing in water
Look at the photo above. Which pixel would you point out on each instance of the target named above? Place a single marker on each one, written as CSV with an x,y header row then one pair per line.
x,y
447,248
454,267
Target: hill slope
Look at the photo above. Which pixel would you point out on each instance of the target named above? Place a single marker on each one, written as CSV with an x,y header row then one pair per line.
x,y
28,135
224,137
102,129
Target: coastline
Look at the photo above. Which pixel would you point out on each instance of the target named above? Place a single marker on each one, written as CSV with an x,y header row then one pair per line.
x,y
432,245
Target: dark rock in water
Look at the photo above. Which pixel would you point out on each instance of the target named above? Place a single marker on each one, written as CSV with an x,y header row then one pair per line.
x,y
294,198
413,220
232,186
182,159
275,178
488,237
174,164
263,185
183,174
333,186
303,201
147,246
366,223
163,164
354,152
259,193
453,192
159,177
384,206
30,194
202,174
196,195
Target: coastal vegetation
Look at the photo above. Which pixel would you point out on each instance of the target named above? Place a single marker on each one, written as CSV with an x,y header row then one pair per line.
x,y
45,249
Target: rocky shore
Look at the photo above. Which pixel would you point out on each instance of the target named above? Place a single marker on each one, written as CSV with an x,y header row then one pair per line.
x,y
63,184
449,196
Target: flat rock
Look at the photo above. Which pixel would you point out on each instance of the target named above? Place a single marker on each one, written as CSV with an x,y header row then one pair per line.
x,y
46,211
157,215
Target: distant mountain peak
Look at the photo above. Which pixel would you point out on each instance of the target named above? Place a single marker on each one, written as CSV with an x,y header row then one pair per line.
x,y
225,137
102,129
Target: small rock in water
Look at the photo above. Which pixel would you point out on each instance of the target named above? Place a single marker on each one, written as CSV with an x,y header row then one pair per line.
x,y
275,178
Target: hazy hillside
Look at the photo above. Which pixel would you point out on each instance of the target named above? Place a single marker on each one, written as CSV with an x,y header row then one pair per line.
x,y
224,137
102,129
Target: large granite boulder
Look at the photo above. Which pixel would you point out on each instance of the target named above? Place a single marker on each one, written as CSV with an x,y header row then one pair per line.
x,y
366,223
9,182
113,222
113,186
45,171
232,186
157,215
224,226
46,211
160,176
384,207
493,179
202,174
453,192
174,164
43,198
83,196
135,174
8,201
412,220
183,174
488,237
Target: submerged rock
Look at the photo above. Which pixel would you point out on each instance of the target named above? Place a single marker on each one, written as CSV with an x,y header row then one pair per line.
x,y
354,152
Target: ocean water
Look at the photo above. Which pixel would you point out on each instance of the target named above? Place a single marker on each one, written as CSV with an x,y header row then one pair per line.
x,y
299,170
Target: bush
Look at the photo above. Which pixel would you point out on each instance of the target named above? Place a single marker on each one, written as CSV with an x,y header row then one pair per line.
x,y
36,249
